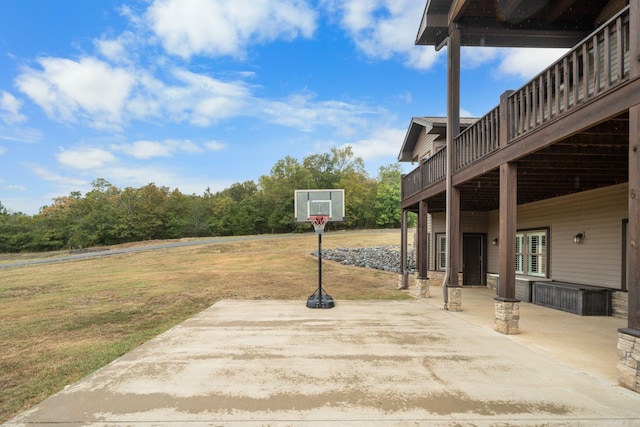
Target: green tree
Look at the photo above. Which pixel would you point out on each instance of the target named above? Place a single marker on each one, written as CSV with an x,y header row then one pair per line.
x,y
278,189
389,196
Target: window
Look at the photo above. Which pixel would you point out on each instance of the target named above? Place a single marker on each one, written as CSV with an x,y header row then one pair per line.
x,y
519,254
531,253
441,251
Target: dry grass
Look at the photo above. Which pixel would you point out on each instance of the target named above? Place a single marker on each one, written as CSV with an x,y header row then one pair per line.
x,y
62,321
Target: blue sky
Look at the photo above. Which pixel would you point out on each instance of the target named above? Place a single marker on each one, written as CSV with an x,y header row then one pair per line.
x,y
196,94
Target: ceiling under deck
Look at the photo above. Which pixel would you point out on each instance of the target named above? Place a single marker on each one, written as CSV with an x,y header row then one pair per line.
x,y
514,23
595,158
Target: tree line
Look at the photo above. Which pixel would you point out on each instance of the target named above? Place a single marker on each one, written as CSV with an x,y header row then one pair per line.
x,y
108,215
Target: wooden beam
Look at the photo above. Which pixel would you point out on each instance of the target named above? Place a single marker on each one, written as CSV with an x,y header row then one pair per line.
x,y
634,44
633,250
457,9
508,7
453,129
454,238
507,231
559,7
423,241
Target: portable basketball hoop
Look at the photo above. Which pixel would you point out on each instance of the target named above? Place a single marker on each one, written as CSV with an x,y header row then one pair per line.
x,y
319,207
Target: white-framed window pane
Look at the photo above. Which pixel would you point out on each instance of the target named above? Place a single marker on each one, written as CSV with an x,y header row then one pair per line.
x,y
442,250
519,254
531,253
536,253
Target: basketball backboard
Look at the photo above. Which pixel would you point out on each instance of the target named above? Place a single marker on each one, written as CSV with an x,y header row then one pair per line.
x,y
310,203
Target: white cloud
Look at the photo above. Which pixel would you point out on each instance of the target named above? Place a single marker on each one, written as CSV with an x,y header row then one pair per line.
x,y
21,188
215,145
10,109
522,63
140,176
85,158
70,91
2,151
474,57
21,134
301,111
526,63
226,27
383,29
381,143
207,99
466,113
146,149
149,149
117,50
49,176
94,93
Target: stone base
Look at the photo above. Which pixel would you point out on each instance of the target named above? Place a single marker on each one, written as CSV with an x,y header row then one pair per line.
x,y
629,361
454,299
507,317
422,288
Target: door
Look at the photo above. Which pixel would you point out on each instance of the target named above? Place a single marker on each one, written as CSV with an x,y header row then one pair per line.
x,y
473,259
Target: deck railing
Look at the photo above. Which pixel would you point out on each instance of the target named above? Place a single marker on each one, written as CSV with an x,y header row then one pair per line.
x,y
596,65
478,140
430,171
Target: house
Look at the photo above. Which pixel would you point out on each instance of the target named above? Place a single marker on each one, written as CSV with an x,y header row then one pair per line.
x,y
539,198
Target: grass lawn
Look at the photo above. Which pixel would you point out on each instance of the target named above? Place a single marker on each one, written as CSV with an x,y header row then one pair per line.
x,y
62,321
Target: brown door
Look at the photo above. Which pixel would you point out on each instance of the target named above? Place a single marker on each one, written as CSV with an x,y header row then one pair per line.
x,y
473,260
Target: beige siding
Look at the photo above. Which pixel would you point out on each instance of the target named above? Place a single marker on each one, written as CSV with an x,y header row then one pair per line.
x,y
424,145
597,213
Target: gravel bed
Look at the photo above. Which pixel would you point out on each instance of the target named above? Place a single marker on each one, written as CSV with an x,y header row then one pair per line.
x,y
385,258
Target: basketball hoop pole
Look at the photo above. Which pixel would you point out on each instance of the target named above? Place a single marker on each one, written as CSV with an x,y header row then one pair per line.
x,y
320,268
316,300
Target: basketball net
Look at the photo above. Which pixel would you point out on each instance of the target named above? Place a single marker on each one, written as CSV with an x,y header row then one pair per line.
x,y
318,222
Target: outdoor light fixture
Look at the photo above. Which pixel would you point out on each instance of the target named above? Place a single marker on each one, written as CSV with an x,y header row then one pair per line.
x,y
494,242
578,238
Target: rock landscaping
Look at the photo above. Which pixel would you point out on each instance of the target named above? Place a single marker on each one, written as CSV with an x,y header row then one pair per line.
x,y
385,258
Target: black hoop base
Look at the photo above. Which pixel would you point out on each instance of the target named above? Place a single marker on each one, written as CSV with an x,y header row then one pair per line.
x,y
320,300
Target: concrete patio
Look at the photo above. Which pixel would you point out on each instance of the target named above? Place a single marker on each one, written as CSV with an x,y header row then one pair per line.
x,y
400,363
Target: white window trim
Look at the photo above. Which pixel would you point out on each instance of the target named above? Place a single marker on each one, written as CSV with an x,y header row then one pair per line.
x,y
525,259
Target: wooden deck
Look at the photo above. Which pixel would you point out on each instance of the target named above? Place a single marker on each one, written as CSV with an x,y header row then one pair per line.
x,y
577,95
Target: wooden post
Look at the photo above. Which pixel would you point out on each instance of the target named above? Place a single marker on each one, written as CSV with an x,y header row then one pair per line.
x,y
507,308
633,250
404,274
505,119
453,129
454,244
634,42
629,338
507,226
422,240
422,281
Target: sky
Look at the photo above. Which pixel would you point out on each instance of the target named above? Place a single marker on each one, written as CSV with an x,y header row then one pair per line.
x,y
197,94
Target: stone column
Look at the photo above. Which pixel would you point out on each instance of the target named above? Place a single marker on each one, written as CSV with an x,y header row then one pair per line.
x,y
422,288
507,317
454,298
629,361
